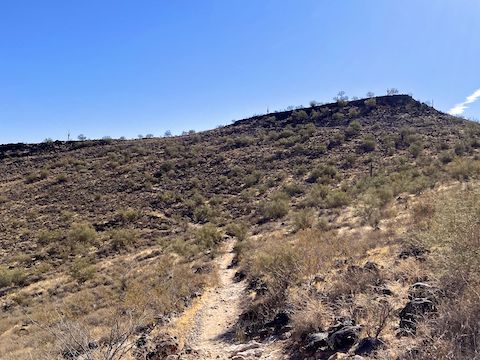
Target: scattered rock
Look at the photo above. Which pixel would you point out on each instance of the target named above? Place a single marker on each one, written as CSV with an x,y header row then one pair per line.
x,y
367,345
239,276
412,250
344,338
158,348
422,290
316,341
412,311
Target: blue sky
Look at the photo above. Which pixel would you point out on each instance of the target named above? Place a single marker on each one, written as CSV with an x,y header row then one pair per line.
x,y
123,68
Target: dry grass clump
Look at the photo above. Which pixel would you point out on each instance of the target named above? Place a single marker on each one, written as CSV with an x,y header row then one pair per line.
x,y
452,233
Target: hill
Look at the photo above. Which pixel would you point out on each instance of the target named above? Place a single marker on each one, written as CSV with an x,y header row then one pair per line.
x,y
330,212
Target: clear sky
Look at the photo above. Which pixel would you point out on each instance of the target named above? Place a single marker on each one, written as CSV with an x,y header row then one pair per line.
x,y
122,68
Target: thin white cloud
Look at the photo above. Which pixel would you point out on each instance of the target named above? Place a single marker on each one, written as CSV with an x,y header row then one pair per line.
x,y
460,108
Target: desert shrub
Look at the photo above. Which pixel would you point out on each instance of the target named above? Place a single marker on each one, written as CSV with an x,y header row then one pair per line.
x,y
368,144
252,178
452,236
317,196
47,237
242,141
275,208
336,140
207,237
239,230
353,112
293,189
445,157
81,234
303,219
463,169
122,238
415,149
165,167
323,174
13,276
338,116
460,148
81,270
299,115
203,213
61,179
372,102
36,176
337,198
353,129
129,215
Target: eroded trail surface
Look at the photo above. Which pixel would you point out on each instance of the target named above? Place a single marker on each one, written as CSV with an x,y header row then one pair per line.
x,y
213,333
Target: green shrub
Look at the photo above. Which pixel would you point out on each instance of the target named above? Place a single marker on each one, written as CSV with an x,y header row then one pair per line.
x,y
299,115
337,198
293,189
10,277
323,174
372,102
207,237
353,129
368,144
353,112
275,208
415,149
303,219
239,230
122,238
338,116
129,215
81,234
81,270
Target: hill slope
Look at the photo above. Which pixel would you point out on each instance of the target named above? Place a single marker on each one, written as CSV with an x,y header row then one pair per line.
x,y
94,230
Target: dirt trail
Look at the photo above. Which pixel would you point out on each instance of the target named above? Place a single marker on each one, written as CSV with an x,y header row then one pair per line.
x,y
212,334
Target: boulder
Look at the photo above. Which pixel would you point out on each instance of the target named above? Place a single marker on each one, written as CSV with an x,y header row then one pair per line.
x,y
412,311
344,338
367,345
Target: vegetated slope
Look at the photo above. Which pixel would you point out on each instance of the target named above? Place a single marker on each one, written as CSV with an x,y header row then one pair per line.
x,y
95,230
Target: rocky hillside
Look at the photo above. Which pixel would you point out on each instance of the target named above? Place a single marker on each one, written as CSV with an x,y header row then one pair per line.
x,y
329,207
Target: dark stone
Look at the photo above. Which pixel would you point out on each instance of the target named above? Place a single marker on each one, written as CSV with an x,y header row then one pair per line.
x,y
239,276
344,338
422,290
280,321
412,311
412,250
367,345
370,265
316,341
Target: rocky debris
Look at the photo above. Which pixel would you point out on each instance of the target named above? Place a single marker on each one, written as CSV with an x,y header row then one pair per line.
x,y
246,351
422,290
239,276
416,307
412,250
158,348
340,337
367,345
279,322
344,338
316,341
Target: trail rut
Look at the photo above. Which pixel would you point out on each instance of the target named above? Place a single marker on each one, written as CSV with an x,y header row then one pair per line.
x,y
213,335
